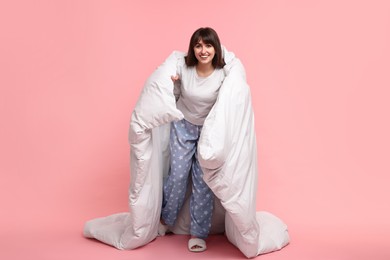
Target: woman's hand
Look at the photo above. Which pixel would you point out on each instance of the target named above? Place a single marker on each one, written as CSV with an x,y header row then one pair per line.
x,y
175,78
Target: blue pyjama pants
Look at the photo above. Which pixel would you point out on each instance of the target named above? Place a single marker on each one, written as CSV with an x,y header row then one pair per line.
x,y
184,138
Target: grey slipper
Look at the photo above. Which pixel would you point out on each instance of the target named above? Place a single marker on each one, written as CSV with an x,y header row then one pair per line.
x,y
162,229
197,242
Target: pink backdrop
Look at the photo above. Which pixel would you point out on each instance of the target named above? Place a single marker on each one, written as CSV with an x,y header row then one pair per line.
x,y
71,72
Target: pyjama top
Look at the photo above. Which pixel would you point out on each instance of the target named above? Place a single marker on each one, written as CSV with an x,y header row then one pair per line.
x,y
196,95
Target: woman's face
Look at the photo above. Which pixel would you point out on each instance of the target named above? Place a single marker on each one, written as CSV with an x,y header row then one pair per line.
x,y
204,52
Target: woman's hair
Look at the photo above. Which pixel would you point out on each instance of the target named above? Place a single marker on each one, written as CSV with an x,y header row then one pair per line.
x,y
208,36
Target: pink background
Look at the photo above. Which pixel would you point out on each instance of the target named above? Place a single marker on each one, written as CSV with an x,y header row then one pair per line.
x,y
71,72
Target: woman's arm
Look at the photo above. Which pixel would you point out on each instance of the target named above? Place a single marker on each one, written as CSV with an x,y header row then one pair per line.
x,y
176,86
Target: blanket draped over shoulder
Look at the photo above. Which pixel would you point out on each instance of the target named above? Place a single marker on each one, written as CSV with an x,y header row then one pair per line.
x,y
227,154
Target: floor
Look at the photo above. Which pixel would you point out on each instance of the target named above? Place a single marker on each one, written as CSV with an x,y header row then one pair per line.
x,y
68,243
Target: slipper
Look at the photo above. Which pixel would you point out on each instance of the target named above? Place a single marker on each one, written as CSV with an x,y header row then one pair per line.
x,y
162,229
197,242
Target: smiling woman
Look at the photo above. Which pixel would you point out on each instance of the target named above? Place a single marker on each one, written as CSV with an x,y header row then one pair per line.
x,y
196,89
204,53
204,43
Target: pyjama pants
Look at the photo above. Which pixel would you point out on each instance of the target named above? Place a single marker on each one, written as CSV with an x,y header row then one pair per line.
x,y
184,138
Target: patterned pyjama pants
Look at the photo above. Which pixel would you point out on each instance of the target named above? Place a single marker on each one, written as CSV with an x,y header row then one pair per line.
x,y
184,138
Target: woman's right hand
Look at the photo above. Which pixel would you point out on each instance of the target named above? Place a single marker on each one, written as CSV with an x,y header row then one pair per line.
x,y
175,78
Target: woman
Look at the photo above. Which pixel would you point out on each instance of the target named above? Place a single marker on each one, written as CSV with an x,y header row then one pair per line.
x,y
196,90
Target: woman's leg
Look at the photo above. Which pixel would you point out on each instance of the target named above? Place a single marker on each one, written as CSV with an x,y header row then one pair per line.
x,y
182,146
201,203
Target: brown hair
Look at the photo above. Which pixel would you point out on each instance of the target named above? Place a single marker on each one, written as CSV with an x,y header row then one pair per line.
x,y
208,36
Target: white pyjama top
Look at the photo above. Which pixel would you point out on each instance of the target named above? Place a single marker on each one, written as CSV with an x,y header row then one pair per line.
x,y
196,95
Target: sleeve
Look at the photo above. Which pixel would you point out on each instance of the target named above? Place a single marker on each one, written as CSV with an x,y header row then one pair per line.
x,y
177,89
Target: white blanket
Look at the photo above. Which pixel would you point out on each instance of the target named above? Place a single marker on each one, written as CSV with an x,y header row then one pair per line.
x,y
227,154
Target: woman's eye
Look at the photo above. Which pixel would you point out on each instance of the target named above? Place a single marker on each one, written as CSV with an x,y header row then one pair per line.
x,y
209,45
